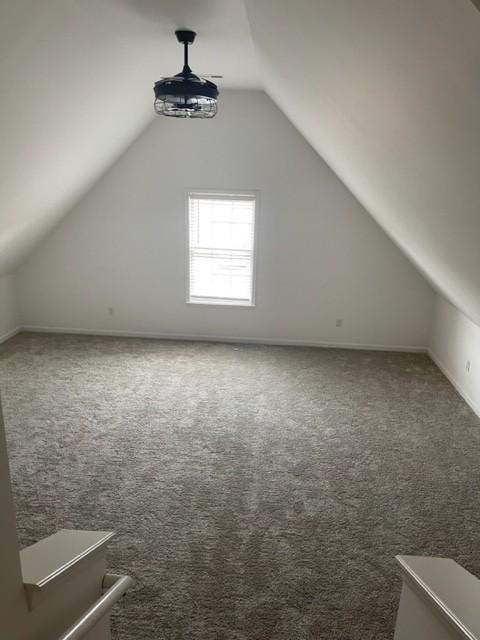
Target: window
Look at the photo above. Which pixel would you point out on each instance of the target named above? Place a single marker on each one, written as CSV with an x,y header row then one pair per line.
x,y
221,230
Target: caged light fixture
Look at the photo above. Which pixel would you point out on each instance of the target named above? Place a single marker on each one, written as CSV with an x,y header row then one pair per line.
x,y
185,95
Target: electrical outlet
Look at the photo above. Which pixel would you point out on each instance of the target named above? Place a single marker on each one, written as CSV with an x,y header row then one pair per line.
x,y
110,311
467,366
339,322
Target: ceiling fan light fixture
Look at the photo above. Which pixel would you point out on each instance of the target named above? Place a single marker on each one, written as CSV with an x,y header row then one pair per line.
x,y
185,95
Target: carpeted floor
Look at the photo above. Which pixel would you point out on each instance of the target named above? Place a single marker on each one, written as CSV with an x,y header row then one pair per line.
x,y
257,492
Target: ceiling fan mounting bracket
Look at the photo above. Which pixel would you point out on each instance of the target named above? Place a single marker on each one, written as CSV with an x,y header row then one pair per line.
x,y
185,36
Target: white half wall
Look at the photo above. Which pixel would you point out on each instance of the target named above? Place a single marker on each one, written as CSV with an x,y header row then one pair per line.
x,y
321,256
8,311
13,604
455,342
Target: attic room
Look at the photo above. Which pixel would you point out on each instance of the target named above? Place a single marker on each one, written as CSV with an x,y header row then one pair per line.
x,y
239,319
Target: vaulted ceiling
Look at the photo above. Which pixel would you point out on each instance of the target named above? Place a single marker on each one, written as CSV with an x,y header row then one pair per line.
x,y
387,91
77,79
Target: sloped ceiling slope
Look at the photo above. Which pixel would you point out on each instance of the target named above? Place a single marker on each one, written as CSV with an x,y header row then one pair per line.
x,y
77,80
388,92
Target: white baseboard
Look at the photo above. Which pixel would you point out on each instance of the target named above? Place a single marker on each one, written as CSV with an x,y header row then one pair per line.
x,y
446,372
228,339
10,334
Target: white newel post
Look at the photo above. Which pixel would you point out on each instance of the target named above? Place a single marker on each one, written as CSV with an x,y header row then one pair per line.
x,y
440,600
58,588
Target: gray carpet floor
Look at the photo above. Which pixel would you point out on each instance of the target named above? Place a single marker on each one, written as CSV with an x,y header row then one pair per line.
x,y
257,492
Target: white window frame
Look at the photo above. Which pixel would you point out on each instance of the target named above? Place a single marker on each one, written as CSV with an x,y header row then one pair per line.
x,y
231,193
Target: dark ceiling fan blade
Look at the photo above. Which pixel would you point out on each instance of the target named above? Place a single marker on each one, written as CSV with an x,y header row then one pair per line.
x,y
208,75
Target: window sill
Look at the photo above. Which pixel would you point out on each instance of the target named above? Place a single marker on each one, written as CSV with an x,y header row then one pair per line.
x,y
220,303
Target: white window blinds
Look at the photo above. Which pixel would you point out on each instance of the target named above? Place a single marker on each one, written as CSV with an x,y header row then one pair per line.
x,y
221,248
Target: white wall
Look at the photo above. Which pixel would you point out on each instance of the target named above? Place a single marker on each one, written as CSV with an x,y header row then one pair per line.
x,y
388,94
321,256
8,311
72,57
455,341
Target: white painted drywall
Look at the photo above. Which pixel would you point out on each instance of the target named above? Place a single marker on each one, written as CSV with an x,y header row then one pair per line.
x,y
455,341
77,82
8,310
389,94
321,256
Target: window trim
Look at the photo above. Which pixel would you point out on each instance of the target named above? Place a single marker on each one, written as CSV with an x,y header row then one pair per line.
x,y
222,194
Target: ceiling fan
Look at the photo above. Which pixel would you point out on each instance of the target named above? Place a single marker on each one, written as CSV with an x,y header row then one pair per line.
x,y
186,95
